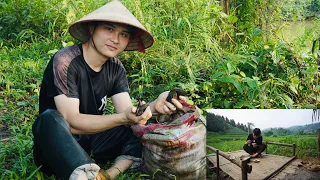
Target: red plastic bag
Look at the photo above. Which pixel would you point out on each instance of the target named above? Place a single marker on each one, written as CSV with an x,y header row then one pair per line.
x,y
176,150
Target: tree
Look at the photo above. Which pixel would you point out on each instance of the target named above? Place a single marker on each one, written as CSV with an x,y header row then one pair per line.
x,y
216,123
242,126
225,4
227,120
233,123
268,133
245,128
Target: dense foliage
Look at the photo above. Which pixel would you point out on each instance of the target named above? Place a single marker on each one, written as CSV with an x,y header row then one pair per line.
x,y
308,129
220,60
299,10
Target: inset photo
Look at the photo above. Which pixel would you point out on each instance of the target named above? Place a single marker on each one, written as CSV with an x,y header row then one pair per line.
x,y
263,144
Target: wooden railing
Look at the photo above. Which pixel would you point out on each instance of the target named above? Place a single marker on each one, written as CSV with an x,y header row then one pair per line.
x,y
294,156
281,144
243,163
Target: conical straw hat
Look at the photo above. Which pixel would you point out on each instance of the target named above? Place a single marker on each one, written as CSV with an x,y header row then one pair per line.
x,y
116,12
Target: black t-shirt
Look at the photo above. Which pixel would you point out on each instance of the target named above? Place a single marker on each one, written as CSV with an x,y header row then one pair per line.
x,y
259,141
68,73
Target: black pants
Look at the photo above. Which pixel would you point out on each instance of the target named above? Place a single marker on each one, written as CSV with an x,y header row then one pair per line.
x,y
59,152
251,150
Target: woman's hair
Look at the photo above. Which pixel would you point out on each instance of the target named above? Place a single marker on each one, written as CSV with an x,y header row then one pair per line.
x,y
257,132
94,24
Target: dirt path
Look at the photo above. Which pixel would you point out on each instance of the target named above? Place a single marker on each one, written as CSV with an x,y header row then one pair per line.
x,y
294,172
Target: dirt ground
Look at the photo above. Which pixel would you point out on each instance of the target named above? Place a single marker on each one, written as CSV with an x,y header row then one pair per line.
x,y
300,170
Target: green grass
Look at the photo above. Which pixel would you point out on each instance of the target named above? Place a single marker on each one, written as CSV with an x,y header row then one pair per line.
x,y
234,131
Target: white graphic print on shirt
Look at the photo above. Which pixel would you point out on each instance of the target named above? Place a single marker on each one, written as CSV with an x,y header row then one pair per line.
x,y
103,103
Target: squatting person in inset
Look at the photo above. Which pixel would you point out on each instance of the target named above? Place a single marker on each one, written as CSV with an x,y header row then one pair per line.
x,y
254,144
71,134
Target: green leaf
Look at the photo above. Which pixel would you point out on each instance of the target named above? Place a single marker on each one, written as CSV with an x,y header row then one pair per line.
x,y
244,104
256,32
232,19
216,75
231,69
253,84
165,31
188,22
226,104
294,17
232,79
242,74
53,51
293,89
69,43
317,88
206,86
309,106
2,103
179,22
274,57
22,103
32,86
36,170
287,99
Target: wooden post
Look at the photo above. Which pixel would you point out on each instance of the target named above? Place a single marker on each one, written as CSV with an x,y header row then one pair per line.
x,y
243,164
281,144
266,147
227,156
294,149
319,140
245,168
218,175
